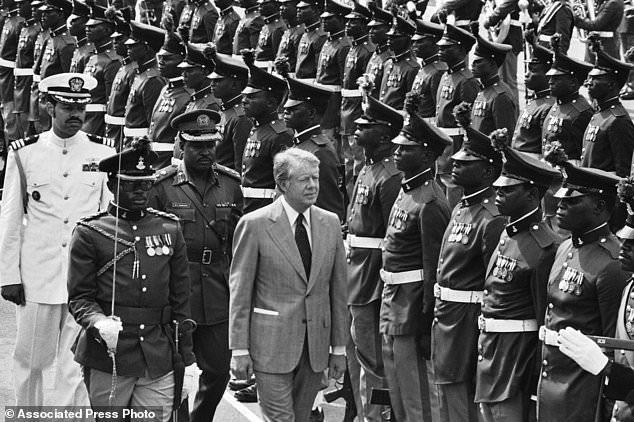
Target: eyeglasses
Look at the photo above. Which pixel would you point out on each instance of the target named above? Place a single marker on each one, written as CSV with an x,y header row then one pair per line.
x,y
131,186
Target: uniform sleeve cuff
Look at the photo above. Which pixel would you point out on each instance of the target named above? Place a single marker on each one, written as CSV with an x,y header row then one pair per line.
x,y
338,350
240,352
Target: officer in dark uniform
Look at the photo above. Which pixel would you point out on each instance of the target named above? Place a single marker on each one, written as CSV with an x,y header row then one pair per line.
x,y
459,13
270,35
411,248
206,197
432,68
608,141
137,323
196,68
261,100
77,28
103,66
38,52
602,17
494,106
312,41
374,193
13,24
303,111
289,44
249,27
528,129
225,26
514,298
379,26
469,242
197,23
584,291
401,69
556,18
24,60
145,40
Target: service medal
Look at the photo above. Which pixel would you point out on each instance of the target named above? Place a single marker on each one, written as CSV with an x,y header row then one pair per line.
x,y
465,239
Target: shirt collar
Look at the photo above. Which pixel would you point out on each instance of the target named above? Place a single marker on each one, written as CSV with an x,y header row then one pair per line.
x,y
64,142
175,82
146,66
416,181
568,98
336,35
234,102
598,233
608,103
382,48
457,67
475,198
183,177
362,39
292,214
306,133
400,57
273,18
543,93
312,26
523,223
82,42
491,81
201,93
58,31
103,47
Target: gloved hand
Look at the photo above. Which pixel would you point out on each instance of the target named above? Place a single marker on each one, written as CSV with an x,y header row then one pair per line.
x,y
13,293
191,373
109,328
582,350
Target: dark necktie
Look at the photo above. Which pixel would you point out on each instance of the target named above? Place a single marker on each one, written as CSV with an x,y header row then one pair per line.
x,y
301,238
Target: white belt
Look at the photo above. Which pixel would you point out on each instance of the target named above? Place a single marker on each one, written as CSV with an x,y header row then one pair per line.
x,y
261,193
430,120
364,242
401,277
307,80
329,87
23,71
460,296
114,120
451,131
350,93
36,77
96,108
605,34
162,146
515,22
545,38
263,64
493,325
135,131
462,22
7,63
549,337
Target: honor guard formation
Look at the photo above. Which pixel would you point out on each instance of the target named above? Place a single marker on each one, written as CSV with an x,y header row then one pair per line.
x,y
269,195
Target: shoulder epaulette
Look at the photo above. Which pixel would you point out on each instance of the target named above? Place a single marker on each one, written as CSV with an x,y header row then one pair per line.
x,y
21,143
228,172
543,235
489,204
499,88
69,39
166,173
412,62
618,111
611,246
239,111
93,216
581,104
278,126
466,73
109,142
163,214
112,54
389,166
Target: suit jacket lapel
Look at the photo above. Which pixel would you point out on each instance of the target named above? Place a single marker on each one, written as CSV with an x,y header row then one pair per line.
x,y
282,235
318,248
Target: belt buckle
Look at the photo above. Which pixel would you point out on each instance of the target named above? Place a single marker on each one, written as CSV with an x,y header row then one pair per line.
x,y
542,333
481,323
206,258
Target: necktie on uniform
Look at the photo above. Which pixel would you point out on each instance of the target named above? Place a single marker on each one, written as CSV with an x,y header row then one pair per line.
x,y
303,245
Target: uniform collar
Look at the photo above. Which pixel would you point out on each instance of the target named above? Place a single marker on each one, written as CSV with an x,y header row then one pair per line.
x,y
59,31
608,103
380,155
235,101
30,22
457,67
104,47
490,82
599,233
182,176
543,93
201,93
382,48
174,83
417,181
12,13
306,134
429,60
125,213
361,40
146,66
476,198
266,120
336,35
273,18
64,142
82,42
312,26
523,223
126,60
568,98
400,57
225,12
253,9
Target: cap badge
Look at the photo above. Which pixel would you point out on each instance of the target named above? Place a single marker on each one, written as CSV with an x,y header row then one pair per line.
x,y
76,84
203,120
141,164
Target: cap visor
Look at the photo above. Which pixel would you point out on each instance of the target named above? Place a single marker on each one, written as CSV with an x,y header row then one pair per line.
x,y
567,193
326,15
135,177
303,4
93,22
463,155
507,181
292,103
403,140
214,75
131,41
626,232
446,41
251,90
598,72
556,72
186,65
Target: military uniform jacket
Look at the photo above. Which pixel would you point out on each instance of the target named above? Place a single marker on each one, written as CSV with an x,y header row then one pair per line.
x,y
289,44
24,59
515,288
264,141
171,102
398,78
121,86
463,10
248,30
412,242
208,220
584,292
608,141
426,84
60,184
151,291
236,128
355,66
375,68
8,50
270,38
83,51
608,17
38,54
624,330
528,130
144,94
566,122
199,19
103,66
203,99
556,18
330,197
225,30
58,53
494,107
457,85
308,52
469,242
332,60
374,193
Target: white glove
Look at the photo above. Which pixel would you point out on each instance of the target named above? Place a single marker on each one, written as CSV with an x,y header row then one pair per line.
x,y
189,380
582,350
109,328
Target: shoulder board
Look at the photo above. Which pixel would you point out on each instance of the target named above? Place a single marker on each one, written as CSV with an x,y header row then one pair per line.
x,y
112,55
109,142
466,73
412,62
166,173
68,39
389,166
228,172
499,88
581,104
278,126
21,143
163,214
93,216
489,204
618,111
320,140
428,193
611,246
438,65
239,110
543,235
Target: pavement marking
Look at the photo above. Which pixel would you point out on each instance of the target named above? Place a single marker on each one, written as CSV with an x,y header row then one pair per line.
x,y
252,417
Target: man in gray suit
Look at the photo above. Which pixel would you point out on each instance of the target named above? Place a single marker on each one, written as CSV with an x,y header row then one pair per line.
x,y
287,313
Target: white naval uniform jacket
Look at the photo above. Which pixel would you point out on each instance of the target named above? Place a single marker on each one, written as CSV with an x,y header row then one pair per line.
x,y
63,185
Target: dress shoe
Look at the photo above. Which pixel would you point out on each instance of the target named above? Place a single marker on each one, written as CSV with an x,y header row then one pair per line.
x,y
235,384
247,395
316,415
